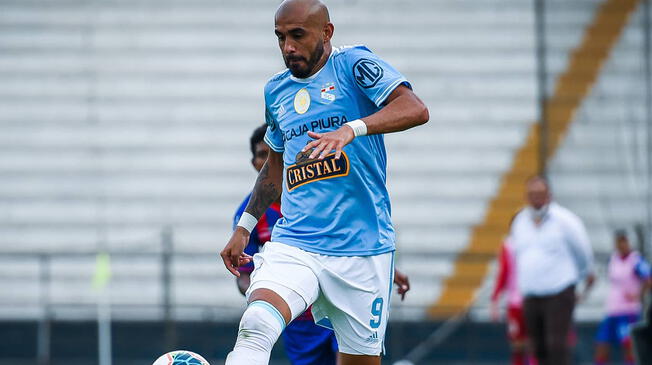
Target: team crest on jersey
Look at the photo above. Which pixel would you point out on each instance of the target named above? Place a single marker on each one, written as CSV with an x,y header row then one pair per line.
x,y
301,101
367,73
307,170
327,92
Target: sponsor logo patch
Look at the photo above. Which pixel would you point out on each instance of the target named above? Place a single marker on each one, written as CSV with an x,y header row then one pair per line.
x,y
308,170
367,73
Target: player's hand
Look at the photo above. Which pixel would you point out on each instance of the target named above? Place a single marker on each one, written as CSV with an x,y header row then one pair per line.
x,y
402,283
233,253
324,143
590,280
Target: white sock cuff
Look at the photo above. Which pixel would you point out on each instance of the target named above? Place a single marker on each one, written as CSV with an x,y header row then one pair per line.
x,y
269,308
295,300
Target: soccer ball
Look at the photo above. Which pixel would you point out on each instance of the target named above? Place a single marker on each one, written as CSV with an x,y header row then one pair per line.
x,y
404,362
180,357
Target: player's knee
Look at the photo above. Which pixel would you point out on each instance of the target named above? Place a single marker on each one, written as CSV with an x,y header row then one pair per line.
x,y
260,326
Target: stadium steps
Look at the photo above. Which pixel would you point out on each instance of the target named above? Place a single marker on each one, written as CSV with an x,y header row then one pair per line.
x,y
570,90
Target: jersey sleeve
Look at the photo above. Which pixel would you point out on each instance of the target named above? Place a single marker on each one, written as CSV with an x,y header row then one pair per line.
x,y
643,270
373,76
273,135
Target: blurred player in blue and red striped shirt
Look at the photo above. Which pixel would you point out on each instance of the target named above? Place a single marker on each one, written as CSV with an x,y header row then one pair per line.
x,y
305,342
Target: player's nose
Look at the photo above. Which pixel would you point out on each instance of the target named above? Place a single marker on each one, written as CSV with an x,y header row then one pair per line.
x,y
289,48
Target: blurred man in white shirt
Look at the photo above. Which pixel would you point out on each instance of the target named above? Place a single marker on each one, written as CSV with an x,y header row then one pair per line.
x,y
553,254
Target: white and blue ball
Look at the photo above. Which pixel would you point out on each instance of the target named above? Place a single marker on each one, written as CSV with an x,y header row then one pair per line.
x,y
181,357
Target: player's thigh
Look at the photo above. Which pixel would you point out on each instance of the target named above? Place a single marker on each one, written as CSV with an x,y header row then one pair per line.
x,y
355,294
606,331
624,327
284,271
348,359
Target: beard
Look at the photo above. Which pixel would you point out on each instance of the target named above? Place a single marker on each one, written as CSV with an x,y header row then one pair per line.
x,y
302,72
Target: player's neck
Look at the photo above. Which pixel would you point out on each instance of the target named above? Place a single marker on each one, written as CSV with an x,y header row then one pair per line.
x,y
328,49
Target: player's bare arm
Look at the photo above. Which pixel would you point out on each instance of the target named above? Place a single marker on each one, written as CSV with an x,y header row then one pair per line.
x,y
403,110
267,189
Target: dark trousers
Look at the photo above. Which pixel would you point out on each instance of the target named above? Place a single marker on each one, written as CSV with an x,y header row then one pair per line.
x,y
548,320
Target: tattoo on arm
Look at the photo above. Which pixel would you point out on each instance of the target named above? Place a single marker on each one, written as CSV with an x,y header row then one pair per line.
x,y
266,191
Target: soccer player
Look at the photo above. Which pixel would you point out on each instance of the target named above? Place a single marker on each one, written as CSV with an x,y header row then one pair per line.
x,y
333,248
305,342
629,278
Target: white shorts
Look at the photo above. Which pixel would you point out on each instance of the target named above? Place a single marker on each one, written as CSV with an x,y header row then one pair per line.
x,y
348,294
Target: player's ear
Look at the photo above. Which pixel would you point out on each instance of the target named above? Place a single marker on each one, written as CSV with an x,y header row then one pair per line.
x,y
328,32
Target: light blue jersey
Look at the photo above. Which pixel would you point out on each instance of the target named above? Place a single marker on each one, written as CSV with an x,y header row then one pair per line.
x,y
333,207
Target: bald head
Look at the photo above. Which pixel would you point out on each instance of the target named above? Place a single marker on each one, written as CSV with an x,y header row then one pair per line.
x,y
303,11
538,191
304,33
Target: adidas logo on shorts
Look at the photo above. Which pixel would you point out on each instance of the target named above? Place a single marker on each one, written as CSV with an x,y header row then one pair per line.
x,y
373,338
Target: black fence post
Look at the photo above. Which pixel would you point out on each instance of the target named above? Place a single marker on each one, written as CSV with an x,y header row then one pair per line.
x,y
44,326
167,241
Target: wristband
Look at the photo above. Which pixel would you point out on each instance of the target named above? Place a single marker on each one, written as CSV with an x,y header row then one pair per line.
x,y
358,126
248,222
